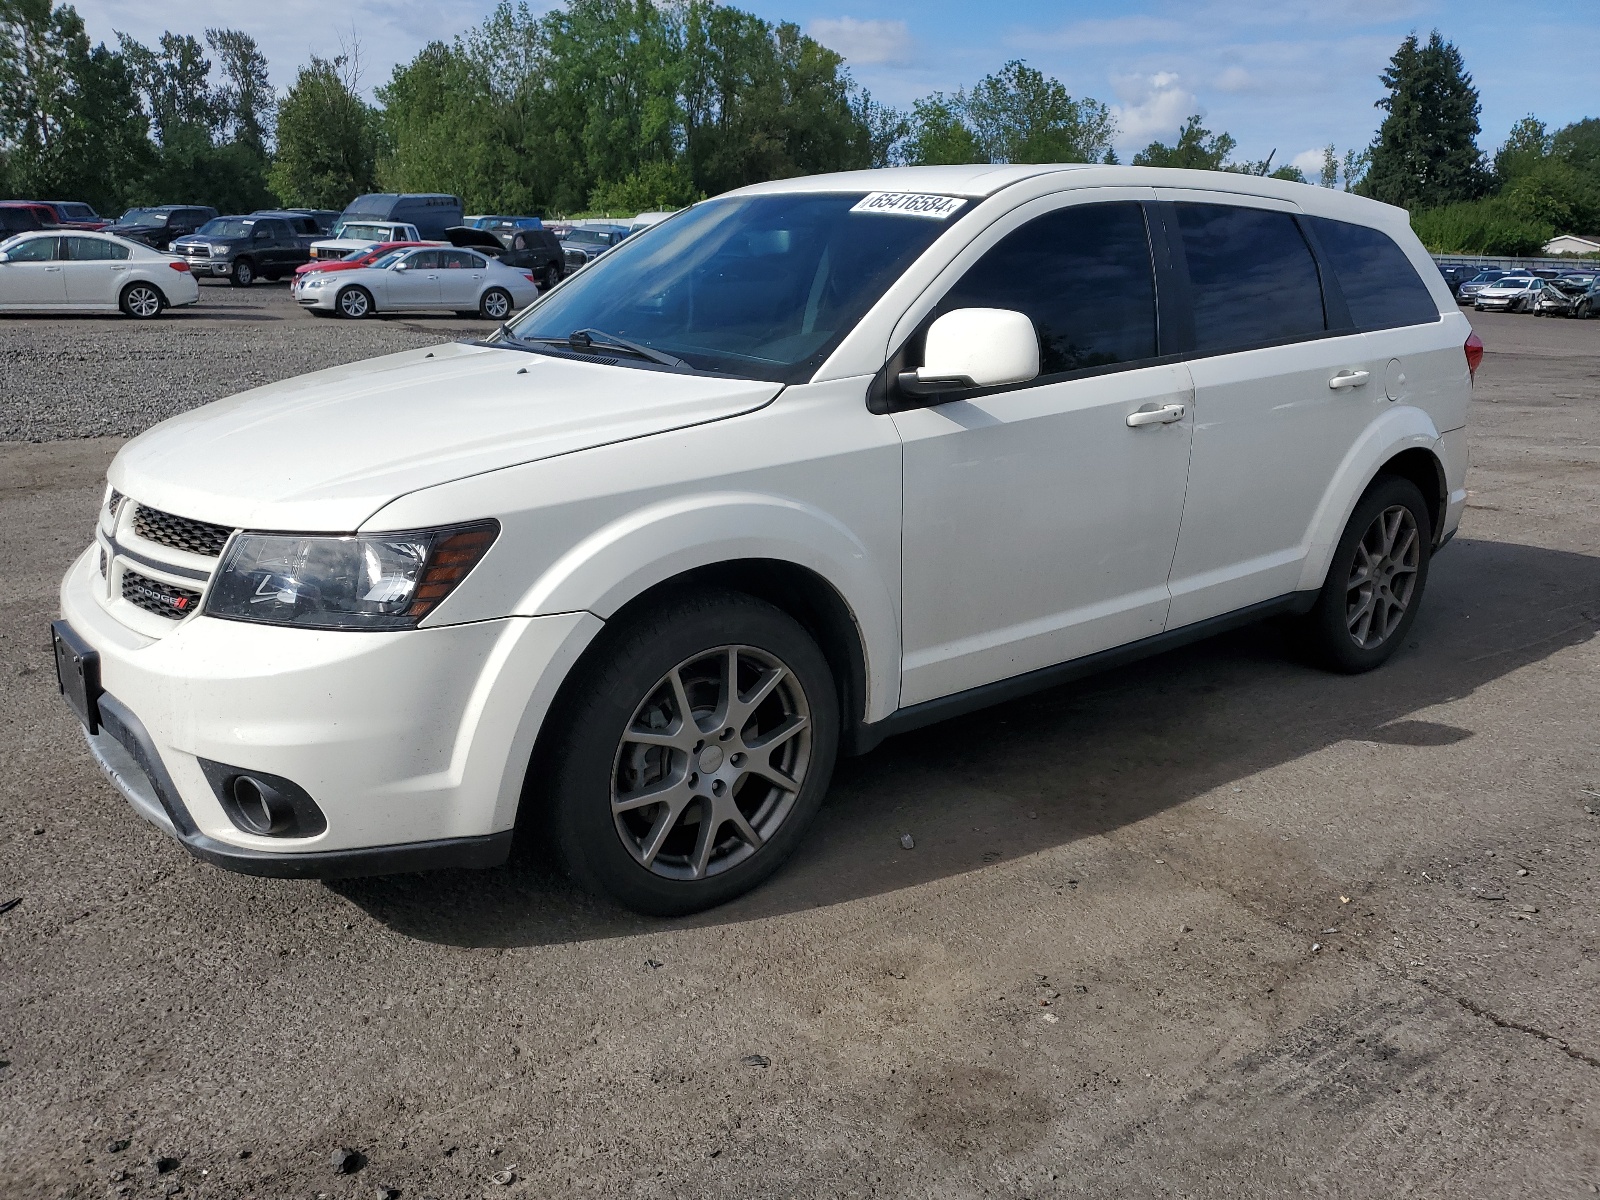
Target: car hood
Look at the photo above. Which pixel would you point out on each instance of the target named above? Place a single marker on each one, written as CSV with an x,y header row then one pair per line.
x,y
323,452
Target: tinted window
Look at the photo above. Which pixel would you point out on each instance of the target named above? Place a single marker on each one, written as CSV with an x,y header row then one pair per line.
x,y
459,258
1253,278
1083,276
82,249
424,260
33,250
1380,285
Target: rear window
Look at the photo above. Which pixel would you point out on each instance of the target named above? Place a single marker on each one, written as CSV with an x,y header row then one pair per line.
x,y
1381,287
1252,275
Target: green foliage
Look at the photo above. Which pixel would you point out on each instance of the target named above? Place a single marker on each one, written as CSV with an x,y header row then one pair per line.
x,y
653,187
940,135
1329,176
1196,149
1489,226
245,104
1578,145
1525,148
1290,172
1426,154
1021,115
327,138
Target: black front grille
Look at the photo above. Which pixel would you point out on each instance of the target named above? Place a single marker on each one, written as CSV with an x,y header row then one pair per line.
x,y
180,533
153,596
114,503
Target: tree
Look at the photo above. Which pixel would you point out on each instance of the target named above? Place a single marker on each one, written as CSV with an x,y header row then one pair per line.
x,y
1329,178
245,103
1426,152
1525,147
175,82
1197,149
940,135
327,137
1578,145
1021,115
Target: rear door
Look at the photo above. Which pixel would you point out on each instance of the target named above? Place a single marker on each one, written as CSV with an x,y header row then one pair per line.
x,y
32,275
95,271
1282,390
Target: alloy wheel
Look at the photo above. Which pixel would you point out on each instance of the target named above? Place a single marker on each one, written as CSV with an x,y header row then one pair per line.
x,y
711,762
353,302
1383,576
143,301
496,304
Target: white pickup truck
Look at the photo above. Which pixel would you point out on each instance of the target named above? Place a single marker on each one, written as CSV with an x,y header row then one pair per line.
x,y
362,235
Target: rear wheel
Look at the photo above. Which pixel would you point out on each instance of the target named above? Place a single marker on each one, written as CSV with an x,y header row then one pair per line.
x,y
495,305
243,273
692,753
549,277
355,303
141,300
1376,579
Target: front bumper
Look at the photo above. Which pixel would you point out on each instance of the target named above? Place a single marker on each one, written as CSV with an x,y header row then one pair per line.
x,y
1491,304
414,744
322,297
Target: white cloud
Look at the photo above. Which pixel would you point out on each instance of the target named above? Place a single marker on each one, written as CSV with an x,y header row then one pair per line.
x,y
864,42
1235,79
1154,106
1109,31
1309,161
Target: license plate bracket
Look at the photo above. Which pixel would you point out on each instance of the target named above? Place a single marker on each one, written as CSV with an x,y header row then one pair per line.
x,y
77,674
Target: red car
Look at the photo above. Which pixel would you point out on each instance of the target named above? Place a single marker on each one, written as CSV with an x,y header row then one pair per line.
x,y
365,259
43,213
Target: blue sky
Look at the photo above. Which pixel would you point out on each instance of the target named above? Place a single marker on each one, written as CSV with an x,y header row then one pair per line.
x,y
1284,75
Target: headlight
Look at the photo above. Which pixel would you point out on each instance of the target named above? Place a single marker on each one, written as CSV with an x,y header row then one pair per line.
x,y
360,581
312,281
219,251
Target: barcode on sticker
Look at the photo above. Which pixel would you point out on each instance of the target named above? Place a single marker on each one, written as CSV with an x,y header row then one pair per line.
x,y
911,204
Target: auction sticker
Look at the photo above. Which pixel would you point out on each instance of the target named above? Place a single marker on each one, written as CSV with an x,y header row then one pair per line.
x,y
910,204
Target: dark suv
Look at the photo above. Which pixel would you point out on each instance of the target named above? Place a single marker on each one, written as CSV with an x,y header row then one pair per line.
x,y
265,244
162,225
540,254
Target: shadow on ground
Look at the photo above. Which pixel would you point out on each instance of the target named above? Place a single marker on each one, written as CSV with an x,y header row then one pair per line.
x,y
1076,761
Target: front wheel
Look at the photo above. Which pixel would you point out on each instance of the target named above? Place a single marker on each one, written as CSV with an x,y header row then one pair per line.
x,y
495,305
691,753
1375,581
243,273
142,300
355,303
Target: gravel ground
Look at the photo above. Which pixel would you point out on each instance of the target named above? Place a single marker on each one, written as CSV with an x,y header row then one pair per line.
x,y
1216,925
107,376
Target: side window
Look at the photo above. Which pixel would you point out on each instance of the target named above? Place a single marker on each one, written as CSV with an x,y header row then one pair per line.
x,y
1379,283
34,250
83,249
1083,275
423,260
1252,276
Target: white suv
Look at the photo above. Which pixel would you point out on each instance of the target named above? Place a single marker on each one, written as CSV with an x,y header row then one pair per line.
x,y
803,466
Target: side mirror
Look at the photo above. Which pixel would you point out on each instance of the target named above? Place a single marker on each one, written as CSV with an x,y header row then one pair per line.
x,y
975,348
5,257
402,265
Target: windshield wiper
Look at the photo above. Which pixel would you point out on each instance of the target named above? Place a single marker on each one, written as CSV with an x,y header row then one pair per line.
x,y
588,339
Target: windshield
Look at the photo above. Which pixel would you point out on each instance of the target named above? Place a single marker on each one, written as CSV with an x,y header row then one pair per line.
x,y
366,233
78,212
589,235
144,217
388,260
758,286
226,227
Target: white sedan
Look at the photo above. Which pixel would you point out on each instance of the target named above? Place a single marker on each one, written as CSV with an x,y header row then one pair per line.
x,y
80,271
459,281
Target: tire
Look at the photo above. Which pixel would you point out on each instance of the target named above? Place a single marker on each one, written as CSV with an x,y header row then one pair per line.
x,y
495,305
272,276
651,856
354,302
243,273
1379,566
549,277
141,300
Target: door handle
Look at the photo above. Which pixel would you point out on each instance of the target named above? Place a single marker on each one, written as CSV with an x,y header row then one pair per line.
x,y
52,268
1165,415
1349,379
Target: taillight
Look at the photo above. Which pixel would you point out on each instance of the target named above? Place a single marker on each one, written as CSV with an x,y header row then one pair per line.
x,y
1474,350
531,278
179,266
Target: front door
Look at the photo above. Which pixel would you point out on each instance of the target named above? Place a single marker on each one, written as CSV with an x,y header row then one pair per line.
x,y
31,276
415,287
1039,525
461,279
1279,401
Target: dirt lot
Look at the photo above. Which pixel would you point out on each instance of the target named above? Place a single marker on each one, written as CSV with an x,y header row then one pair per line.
x,y
1218,925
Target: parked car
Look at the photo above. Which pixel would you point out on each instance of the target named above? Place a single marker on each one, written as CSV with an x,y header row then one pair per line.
x,y
1586,303
509,230
74,214
1455,276
539,253
647,220
431,212
162,225
582,244
816,462
1511,293
83,271
356,258
1552,301
460,281
265,245
351,237
43,214
1469,289
18,219
323,219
